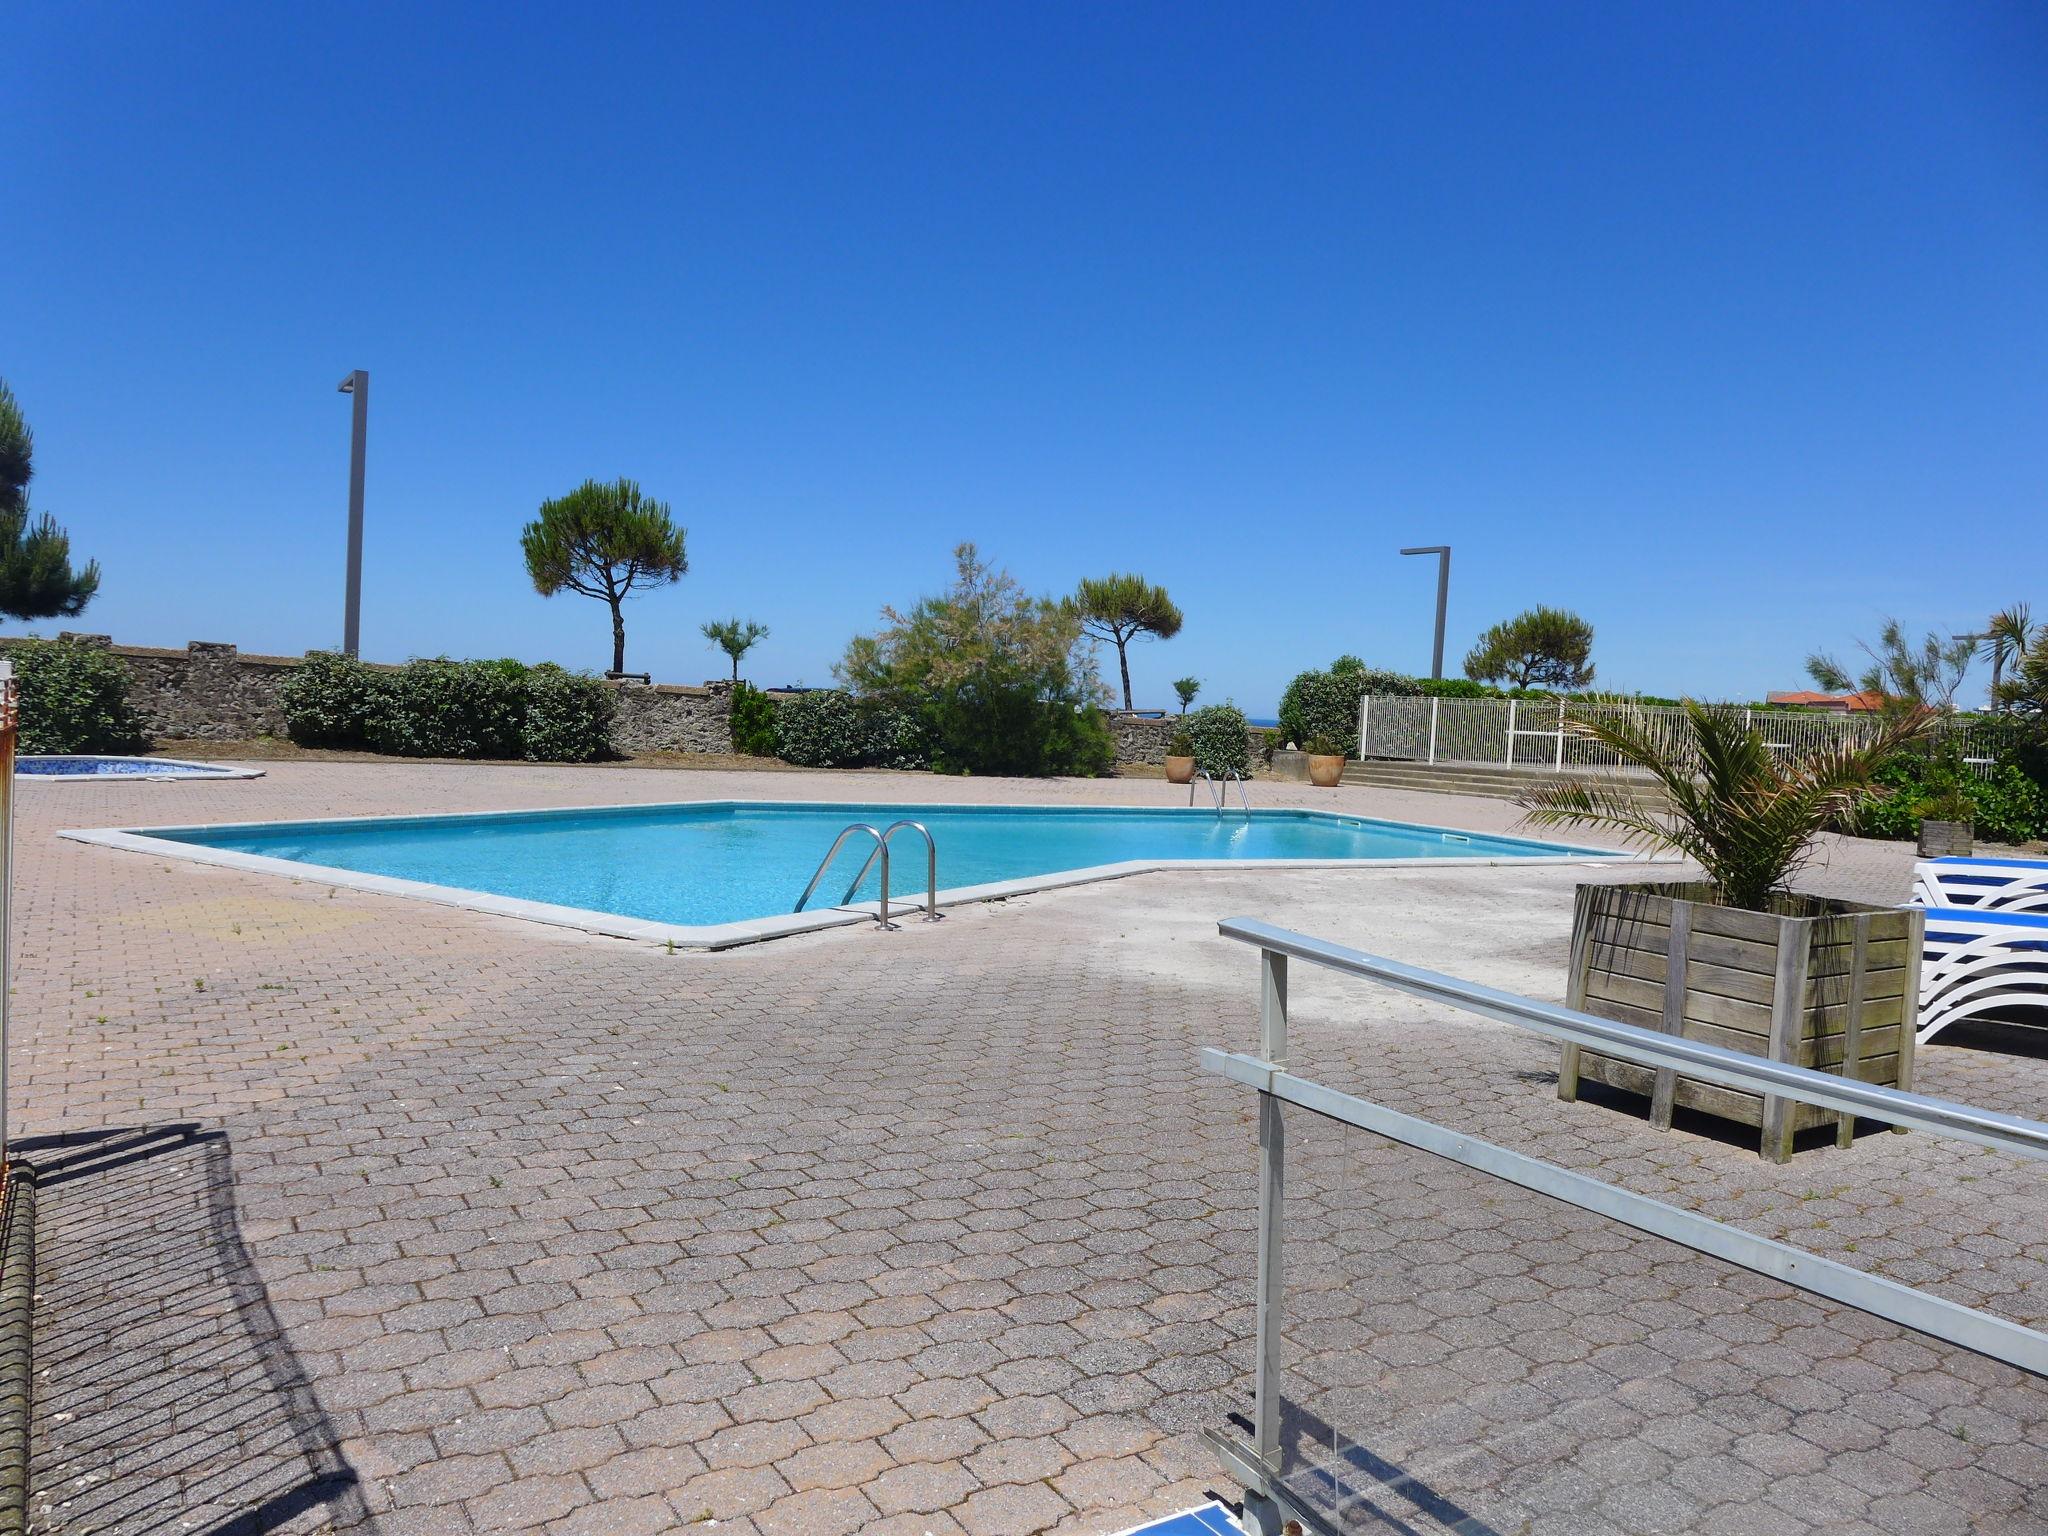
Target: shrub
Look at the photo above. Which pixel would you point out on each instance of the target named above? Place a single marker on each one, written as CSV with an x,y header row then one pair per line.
x,y
1326,703
74,698
1005,729
568,717
753,721
2007,807
329,700
1220,739
1180,744
1324,746
999,681
828,728
442,708
1455,688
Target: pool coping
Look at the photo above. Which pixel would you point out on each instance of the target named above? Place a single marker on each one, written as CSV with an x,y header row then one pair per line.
x,y
715,936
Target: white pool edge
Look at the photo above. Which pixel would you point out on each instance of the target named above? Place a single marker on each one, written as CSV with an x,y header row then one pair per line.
x,y
713,936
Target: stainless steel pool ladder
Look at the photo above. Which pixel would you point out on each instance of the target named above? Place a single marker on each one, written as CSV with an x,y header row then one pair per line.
x,y
881,851
1219,789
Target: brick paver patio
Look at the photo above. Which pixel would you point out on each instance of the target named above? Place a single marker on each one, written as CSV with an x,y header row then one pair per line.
x,y
376,1214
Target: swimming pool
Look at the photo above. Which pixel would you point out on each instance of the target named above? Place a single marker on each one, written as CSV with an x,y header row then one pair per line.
x,y
723,872
84,766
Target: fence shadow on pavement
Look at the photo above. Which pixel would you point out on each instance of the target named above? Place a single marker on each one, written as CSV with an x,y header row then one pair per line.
x,y
167,1397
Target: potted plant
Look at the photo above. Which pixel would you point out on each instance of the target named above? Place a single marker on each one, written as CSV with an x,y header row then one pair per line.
x,y
1737,959
1180,758
1946,827
1325,761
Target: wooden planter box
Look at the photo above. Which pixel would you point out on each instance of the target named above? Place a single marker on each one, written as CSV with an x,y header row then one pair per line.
x,y
1947,839
1825,984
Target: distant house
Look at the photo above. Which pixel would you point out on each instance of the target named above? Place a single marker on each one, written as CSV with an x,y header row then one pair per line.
x,y
1828,703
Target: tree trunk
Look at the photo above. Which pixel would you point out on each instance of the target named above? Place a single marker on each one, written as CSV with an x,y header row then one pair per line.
x,y
1123,660
618,637
735,671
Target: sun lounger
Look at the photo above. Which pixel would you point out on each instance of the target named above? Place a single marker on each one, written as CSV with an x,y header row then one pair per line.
x,y
1984,885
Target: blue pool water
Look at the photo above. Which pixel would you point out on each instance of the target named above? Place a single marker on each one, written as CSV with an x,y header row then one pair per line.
x,y
89,767
723,862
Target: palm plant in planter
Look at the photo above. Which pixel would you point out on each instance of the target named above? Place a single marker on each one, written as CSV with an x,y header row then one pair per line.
x,y
1737,960
1180,758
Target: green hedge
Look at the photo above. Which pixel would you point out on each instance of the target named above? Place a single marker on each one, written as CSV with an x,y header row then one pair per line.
x,y
433,707
74,698
1220,738
753,721
568,717
1007,731
2007,807
1325,704
451,709
828,728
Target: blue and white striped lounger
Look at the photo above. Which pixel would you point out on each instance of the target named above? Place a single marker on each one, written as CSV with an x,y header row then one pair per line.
x,y
1979,961
1985,885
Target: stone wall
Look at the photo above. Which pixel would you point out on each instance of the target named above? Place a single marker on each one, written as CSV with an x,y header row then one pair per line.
x,y
1141,739
669,717
214,692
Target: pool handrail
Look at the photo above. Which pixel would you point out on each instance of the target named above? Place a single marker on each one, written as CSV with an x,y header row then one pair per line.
x,y
881,849
1257,1463
1219,789
931,866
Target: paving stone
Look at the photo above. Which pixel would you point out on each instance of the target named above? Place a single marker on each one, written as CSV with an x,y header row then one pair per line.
x,y
480,1225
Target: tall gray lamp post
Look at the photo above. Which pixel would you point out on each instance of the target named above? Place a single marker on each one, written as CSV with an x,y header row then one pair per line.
x,y
1443,599
358,385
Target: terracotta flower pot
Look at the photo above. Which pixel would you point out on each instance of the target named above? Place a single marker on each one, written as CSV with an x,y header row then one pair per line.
x,y
1180,770
1325,772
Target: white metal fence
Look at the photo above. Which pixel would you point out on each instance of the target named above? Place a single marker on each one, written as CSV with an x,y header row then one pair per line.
x,y
1532,733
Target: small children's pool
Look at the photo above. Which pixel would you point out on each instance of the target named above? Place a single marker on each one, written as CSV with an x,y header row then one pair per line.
x,y
70,766
724,872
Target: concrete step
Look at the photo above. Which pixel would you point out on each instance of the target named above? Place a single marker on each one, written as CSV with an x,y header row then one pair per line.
x,y
1491,783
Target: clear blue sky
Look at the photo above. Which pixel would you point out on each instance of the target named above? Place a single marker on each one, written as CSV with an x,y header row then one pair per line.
x,y
1725,325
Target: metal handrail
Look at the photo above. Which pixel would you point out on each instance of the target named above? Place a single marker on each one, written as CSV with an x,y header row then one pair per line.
x,y
1710,1063
931,866
1269,1499
1219,789
1243,796
881,848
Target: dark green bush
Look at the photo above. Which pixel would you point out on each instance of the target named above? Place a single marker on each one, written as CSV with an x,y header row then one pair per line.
x,y
1220,740
1455,688
568,716
329,700
74,698
2007,807
753,721
1326,703
999,681
1006,730
828,728
433,707
442,708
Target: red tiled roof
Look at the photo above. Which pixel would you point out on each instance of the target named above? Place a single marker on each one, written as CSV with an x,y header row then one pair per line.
x,y
1856,703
